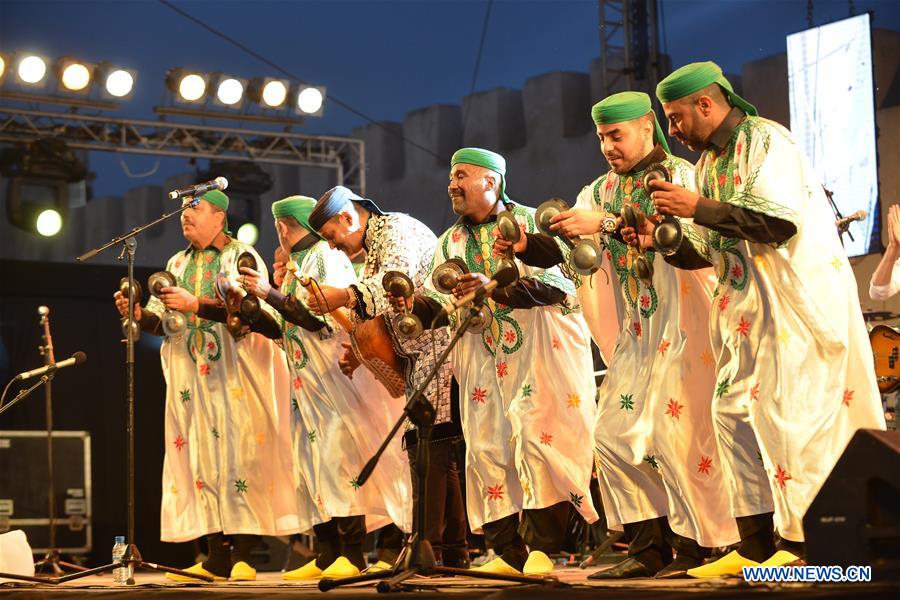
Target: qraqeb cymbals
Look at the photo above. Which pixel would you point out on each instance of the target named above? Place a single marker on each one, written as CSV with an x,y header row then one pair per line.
x,y
586,256
407,325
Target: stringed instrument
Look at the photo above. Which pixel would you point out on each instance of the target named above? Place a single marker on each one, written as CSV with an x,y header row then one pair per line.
x,y
886,350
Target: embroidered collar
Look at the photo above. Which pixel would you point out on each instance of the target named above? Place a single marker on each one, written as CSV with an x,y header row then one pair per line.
x,y
723,133
656,155
218,244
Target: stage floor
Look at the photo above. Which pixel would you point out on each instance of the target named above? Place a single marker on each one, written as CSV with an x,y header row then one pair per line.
x,y
574,585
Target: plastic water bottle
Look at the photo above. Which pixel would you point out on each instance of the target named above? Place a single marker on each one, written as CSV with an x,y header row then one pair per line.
x,y
120,575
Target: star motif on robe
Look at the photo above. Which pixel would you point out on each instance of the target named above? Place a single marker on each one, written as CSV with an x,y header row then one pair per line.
x,y
204,369
848,396
663,346
645,301
199,484
574,400
556,343
722,388
743,327
546,438
626,402
526,487
685,287
737,271
179,442
311,436
240,486
294,404
781,477
723,302
526,390
784,335
495,492
760,263
173,490
754,392
185,395
502,370
673,409
479,395
707,358
837,263
319,500
215,433
236,392
651,460
509,336
260,438
354,483
298,383
704,465
638,329
576,499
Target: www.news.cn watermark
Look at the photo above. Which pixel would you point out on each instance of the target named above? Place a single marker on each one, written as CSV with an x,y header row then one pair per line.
x,y
808,574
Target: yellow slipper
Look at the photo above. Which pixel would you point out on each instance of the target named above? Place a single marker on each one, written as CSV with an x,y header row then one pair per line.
x,y
780,558
729,565
241,571
340,568
498,565
538,563
198,569
381,565
308,571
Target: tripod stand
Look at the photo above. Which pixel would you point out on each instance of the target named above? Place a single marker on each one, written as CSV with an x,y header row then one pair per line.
x,y
417,556
52,557
132,559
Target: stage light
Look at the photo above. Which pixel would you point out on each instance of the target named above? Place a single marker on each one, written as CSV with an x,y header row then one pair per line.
x,y
75,76
48,223
188,86
2,66
274,94
310,100
31,69
229,90
248,233
115,81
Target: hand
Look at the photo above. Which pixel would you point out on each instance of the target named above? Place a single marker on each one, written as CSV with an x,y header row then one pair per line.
x,y
894,227
326,298
398,303
504,247
577,221
469,282
347,361
253,282
671,199
122,306
643,237
279,270
176,298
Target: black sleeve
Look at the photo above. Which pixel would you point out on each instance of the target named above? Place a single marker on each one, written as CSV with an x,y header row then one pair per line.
x,y
294,311
742,223
687,258
150,323
427,309
542,251
266,325
529,293
211,310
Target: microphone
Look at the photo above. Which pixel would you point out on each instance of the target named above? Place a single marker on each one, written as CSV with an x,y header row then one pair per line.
x,y
501,278
857,216
198,189
76,359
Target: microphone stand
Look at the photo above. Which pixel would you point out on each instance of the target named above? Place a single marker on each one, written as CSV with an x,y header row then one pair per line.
x,y
842,229
417,557
132,558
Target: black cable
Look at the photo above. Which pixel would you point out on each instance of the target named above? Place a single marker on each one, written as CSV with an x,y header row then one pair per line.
x,y
331,97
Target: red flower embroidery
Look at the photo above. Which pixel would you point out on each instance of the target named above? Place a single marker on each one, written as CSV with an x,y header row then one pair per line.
x,y
609,255
489,340
495,492
204,369
455,236
211,345
721,180
621,261
546,438
609,183
737,271
178,264
754,392
737,179
737,149
479,259
298,355
209,259
645,301
509,336
199,484
781,477
704,465
298,383
556,344
207,275
663,346
638,330
743,327
478,395
502,370
638,184
848,396
723,302
179,442
194,278
673,409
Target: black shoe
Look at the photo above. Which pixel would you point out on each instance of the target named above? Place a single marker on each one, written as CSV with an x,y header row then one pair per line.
x,y
627,569
677,569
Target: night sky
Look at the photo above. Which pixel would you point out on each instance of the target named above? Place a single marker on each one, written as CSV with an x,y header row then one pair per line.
x,y
383,58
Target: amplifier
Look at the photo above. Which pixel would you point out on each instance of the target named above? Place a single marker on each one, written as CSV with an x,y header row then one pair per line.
x,y
23,488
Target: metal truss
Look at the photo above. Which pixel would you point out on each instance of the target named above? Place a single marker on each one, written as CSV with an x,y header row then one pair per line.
x,y
629,45
160,138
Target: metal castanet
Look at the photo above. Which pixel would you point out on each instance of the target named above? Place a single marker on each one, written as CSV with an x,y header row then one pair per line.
x,y
586,256
173,322
138,296
407,325
668,234
633,216
509,230
445,277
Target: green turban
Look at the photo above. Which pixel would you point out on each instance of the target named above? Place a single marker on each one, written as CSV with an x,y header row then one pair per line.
x,y
218,198
298,207
693,78
626,106
488,160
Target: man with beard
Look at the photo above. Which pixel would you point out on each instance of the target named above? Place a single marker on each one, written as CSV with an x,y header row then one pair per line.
x,y
654,404
793,362
225,390
338,422
526,381
397,242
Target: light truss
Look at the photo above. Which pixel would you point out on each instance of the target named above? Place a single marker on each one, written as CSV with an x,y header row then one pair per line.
x,y
346,156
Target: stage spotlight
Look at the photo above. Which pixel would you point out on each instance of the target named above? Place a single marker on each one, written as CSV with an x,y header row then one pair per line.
x,y
48,223
310,100
31,69
74,75
117,82
248,233
2,66
268,92
229,90
188,86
